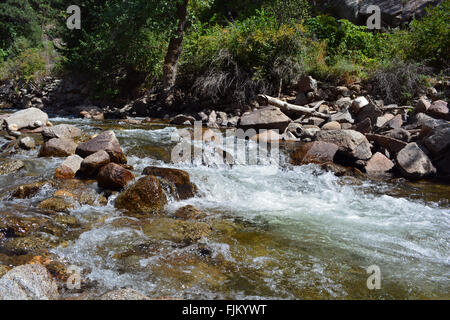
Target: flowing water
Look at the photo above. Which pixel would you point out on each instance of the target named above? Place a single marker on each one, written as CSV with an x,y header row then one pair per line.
x,y
278,231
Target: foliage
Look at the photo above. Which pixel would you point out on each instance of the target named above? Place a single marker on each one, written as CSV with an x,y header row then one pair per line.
x,y
429,38
29,65
256,54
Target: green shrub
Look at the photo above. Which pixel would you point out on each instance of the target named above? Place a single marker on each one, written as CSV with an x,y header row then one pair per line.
x,y
429,38
244,58
29,65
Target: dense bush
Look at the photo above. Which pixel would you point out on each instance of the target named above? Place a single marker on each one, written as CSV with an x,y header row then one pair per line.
x,y
429,38
254,55
29,65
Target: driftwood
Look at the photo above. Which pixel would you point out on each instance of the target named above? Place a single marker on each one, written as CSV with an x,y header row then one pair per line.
x,y
395,108
291,108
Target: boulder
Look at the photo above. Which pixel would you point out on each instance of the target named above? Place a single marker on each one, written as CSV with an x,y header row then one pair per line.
x,y
114,177
176,181
91,165
342,117
11,166
439,109
182,119
333,125
306,84
359,103
27,143
62,131
106,141
414,163
69,167
364,126
399,134
266,136
422,106
144,196
28,118
370,111
438,140
314,152
391,144
428,123
58,204
394,123
343,103
27,190
266,118
28,282
57,147
378,164
352,144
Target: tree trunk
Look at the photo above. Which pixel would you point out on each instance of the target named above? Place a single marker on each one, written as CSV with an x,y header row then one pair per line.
x,y
174,51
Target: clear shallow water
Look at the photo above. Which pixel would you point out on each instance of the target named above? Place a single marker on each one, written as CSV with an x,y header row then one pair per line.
x,y
288,233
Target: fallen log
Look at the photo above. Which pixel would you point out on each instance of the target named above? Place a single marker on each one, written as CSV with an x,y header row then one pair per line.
x,y
291,108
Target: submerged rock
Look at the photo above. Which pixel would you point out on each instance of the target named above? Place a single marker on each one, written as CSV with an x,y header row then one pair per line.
x,y
179,231
124,294
189,212
8,167
114,177
25,245
106,141
144,196
178,181
414,163
27,143
27,190
58,204
57,147
28,282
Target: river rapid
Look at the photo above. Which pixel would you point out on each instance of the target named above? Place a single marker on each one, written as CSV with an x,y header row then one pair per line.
x,y
279,232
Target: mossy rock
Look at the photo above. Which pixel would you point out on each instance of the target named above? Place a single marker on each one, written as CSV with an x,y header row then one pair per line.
x,y
178,231
189,213
145,196
58,204
26,245
27,190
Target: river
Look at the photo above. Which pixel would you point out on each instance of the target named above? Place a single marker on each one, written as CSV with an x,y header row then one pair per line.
x,y
279,232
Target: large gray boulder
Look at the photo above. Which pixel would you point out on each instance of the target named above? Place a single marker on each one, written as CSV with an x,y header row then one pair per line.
x,y
106,141
28,282
57,147
66,131
266,118
438,140
414,163
28,118
352,144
